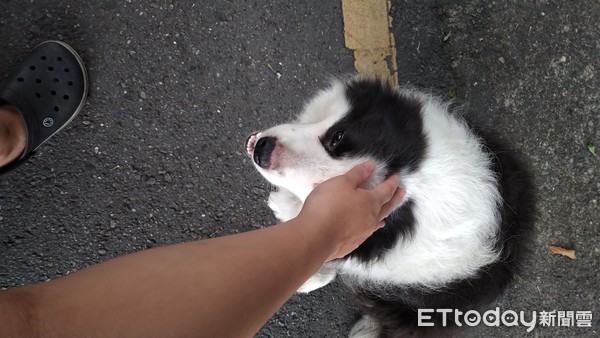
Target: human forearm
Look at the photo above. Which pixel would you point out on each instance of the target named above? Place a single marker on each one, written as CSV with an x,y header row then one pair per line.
x,y
225,287
193,288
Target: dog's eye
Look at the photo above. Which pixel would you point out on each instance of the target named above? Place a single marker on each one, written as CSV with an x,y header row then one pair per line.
x,y
336,138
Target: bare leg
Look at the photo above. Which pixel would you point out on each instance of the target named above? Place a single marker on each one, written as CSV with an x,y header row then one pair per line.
x,y
12,135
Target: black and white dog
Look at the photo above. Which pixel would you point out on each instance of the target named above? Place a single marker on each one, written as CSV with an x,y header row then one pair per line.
x,y
458,237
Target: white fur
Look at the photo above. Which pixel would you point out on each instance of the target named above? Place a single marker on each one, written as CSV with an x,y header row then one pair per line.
x,y
302,160
455,197
366,327
324,276
284,204
455,210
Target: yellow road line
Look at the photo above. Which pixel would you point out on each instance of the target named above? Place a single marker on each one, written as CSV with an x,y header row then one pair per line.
x,y
367,27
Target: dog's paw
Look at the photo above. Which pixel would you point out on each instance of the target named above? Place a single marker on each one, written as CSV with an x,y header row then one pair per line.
x,y
284,204
366,327
323,277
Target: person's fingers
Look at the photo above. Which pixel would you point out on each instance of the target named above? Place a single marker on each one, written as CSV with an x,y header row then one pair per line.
x,y
393,203
385,190
361,173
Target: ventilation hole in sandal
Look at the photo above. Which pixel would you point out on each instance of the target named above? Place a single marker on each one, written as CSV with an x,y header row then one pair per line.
x,y
43,58
38,95
32,67
67,70
56,108
66,97
53,92
70,83
38,80
20,79
56,80
50,68
59,59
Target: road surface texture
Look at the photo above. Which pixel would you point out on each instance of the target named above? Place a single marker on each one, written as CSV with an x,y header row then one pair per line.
x,y
157,154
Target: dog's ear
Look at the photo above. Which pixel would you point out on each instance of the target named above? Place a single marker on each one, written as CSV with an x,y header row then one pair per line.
x,y
361,90
364,92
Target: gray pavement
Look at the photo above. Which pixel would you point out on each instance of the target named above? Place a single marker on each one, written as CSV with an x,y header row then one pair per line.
x,y
157,155
529,71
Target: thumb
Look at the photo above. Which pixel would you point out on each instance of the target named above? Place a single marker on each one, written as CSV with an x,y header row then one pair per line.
x,y
361,173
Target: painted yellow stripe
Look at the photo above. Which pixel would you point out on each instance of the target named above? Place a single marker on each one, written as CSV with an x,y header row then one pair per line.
x,y
367,32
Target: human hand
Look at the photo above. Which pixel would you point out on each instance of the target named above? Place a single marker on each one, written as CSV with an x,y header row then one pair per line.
x,y
345,213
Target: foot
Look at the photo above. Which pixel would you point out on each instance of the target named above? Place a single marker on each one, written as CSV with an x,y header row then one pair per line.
x,y
46,90
12,135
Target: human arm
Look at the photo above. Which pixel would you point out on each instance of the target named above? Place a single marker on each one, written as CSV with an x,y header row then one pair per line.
x,y
227,286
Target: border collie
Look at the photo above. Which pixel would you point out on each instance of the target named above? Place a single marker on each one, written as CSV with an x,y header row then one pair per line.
x,y
457,239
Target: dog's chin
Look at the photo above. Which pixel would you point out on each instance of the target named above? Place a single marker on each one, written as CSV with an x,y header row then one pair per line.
x,y
301,187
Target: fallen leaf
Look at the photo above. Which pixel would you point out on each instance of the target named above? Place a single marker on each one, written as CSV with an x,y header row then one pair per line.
x,y
561,251
592,148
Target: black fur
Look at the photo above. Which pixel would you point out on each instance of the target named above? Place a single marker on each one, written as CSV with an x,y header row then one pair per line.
x,y
383,123
398,226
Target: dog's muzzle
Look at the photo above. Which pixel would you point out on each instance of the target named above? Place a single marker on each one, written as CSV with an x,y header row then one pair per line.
x,y
261,149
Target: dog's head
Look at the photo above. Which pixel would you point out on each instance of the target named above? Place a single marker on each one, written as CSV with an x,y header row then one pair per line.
x,y
341,127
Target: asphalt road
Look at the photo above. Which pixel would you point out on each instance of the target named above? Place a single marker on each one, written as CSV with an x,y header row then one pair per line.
x,y
157,155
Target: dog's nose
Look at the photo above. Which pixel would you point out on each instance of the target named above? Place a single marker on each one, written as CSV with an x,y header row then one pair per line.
x,y
262,151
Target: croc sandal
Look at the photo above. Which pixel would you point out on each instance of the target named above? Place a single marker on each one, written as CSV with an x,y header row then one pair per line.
x,y
48,89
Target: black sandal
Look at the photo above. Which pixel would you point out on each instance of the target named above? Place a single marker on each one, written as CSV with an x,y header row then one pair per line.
x,y
48,89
